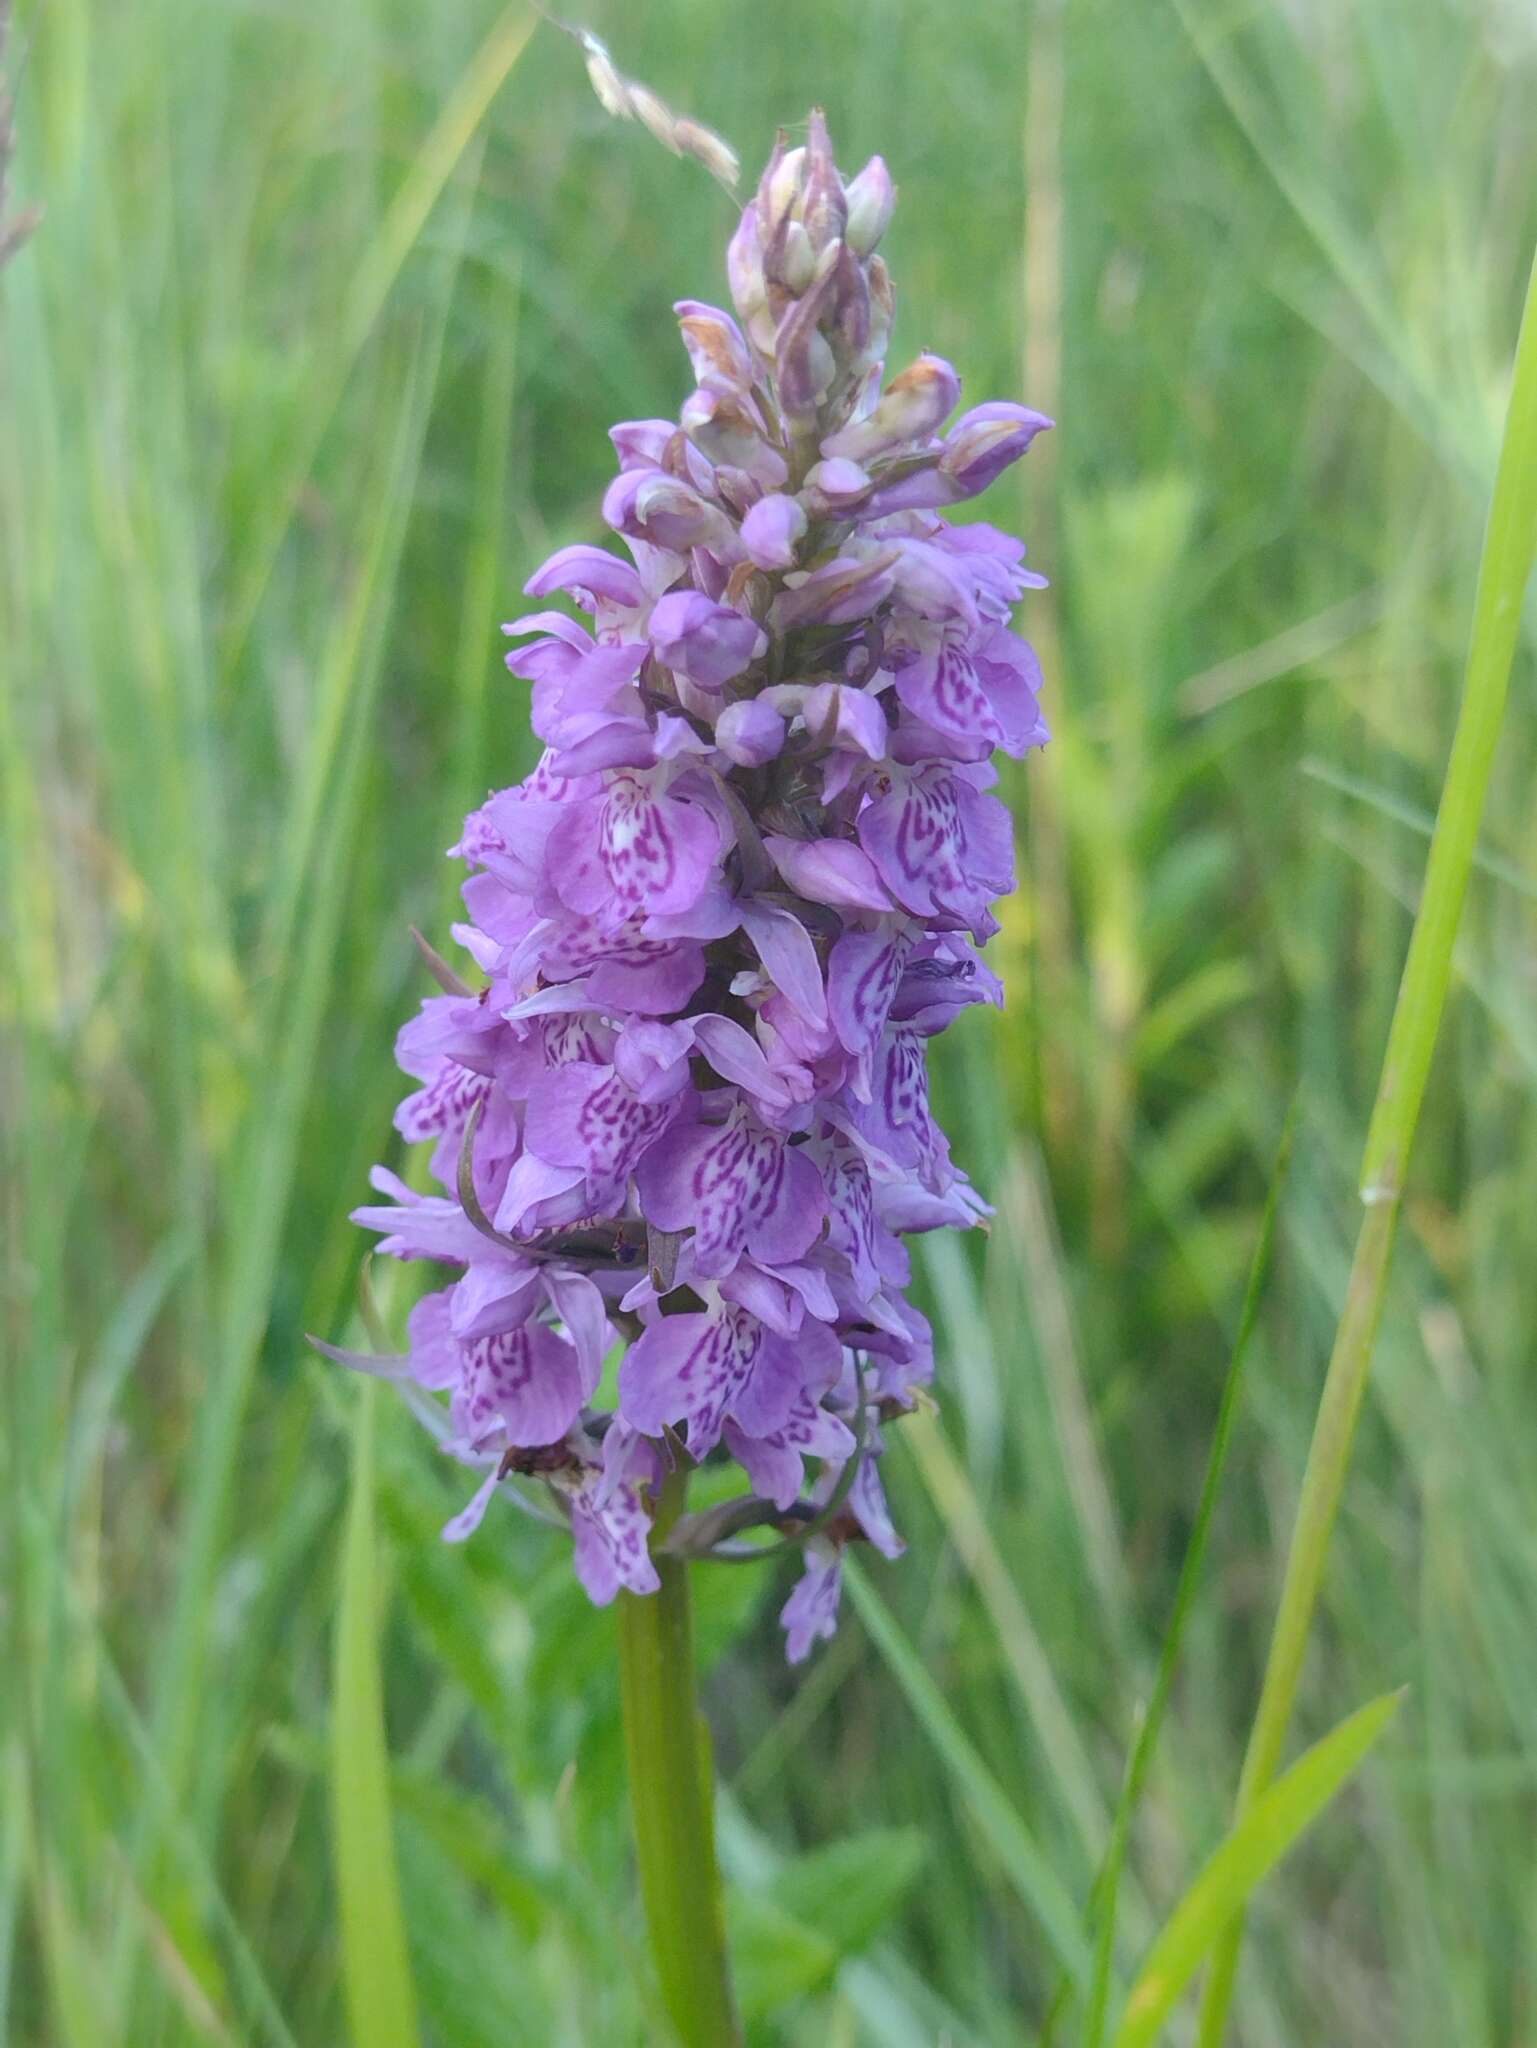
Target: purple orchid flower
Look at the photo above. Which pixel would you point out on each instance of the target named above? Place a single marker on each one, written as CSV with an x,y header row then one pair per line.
x,y
718,925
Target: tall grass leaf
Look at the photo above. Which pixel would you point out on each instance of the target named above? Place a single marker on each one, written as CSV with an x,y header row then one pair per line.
x,y
1253,1849
378,268
1019,1642
77,2006
1398,373
1028,1212
1146,1740
1417,820
989,1806
13,1855
263,1172
263,2017
121,1345
376,1970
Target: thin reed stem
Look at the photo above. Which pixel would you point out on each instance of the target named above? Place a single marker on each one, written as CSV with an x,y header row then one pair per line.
x,y
1510,543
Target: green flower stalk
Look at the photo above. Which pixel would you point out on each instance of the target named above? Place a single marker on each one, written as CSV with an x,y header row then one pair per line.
x,y
687,1108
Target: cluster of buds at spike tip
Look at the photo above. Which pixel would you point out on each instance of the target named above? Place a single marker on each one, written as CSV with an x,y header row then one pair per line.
x,y
685,1106
814,296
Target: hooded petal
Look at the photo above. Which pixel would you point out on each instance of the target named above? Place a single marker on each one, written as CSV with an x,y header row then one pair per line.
x,y
709,643
591,575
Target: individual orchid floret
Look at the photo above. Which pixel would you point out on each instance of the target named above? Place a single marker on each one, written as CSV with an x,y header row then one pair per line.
x,y
683,1103
709,643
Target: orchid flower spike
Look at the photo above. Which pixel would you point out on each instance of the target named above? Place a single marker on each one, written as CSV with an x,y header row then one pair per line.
x,y
686,1101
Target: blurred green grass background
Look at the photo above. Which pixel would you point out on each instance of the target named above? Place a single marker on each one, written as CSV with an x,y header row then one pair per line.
x,y
308,365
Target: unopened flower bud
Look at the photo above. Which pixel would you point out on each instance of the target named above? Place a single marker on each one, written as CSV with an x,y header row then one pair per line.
x,y
883,306
750,733
836,483
984,441
871,198
830,871
667,513
804,366
709,643
849,720
771,530
744,270
823,209
916,404
714,343
933,585
728,428
848,588
781,186
851,309
797,262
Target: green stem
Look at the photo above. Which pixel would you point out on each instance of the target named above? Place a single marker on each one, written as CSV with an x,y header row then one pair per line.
x,y
671,1794
1510,544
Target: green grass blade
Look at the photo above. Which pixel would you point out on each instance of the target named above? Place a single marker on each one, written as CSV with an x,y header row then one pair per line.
x,y
263,2018
1402,378
1414,819
78,2009
966,1525
378,270
376,1969
1108,1889
263,1173
988,1804
1251,1851
1510,545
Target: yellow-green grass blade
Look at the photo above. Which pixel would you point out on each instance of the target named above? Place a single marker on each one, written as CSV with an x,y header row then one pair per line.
x,y
1253,1849
376,1968
987,1804
378,269
1146,1739
263,1172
